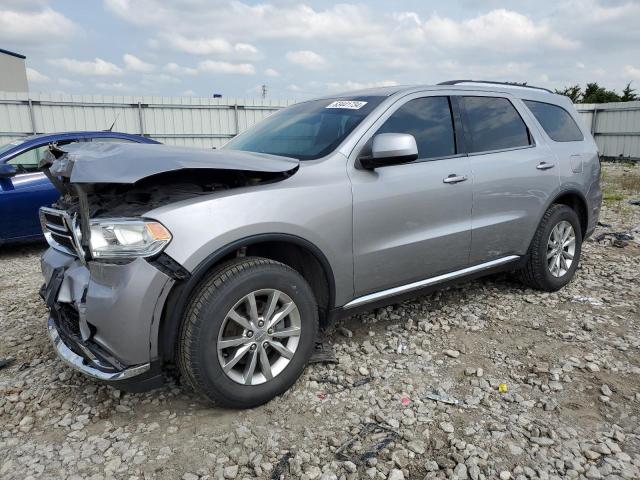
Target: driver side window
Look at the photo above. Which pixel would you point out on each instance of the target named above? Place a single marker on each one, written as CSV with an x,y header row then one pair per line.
x,y
28,161
430,121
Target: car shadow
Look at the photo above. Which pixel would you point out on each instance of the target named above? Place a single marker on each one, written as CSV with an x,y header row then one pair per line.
x,y
33,247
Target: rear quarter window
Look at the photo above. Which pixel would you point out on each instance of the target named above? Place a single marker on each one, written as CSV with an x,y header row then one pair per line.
x,y
556,121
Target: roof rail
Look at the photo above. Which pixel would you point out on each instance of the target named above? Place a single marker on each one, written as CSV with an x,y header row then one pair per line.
x,y
507,84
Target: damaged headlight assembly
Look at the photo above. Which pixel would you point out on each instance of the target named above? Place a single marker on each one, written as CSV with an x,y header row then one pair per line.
x,y
127,238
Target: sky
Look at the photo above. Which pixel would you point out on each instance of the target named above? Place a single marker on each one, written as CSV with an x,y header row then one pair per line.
x,y
305,49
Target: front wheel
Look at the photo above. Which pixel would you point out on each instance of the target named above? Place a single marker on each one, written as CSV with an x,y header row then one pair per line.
x,y
248,332
555,250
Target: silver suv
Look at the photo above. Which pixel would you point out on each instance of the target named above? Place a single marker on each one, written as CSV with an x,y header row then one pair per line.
x,y
227,262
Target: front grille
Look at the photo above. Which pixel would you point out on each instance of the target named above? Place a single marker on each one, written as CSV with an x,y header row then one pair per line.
x,y
60,230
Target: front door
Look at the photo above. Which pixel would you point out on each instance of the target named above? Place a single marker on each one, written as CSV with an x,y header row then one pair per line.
x,y
22,196
411,221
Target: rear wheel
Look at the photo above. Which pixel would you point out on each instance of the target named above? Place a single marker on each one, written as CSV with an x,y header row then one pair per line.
x,y
248,332
555,250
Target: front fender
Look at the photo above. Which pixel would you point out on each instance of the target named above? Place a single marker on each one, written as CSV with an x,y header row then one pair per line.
x,y
314,205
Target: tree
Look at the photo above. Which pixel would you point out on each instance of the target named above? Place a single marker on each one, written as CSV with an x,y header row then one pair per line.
x,y
574,92
594,93
628,95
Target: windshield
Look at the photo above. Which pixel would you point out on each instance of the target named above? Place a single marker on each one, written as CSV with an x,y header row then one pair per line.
x,y
9,146
308,130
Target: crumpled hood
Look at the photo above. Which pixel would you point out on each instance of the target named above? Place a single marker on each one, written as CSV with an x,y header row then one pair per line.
x,y
129,162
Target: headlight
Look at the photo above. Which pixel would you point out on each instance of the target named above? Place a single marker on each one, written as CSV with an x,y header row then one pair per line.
x,y
127,237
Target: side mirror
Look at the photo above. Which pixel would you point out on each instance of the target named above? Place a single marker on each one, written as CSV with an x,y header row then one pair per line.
x,y
7,170
391,149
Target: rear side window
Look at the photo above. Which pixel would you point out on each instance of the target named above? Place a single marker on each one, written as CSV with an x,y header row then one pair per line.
x,y
494,124
556,121
429,120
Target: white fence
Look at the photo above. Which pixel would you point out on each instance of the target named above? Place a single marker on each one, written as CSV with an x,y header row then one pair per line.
x,y
615,126
207,122
198,122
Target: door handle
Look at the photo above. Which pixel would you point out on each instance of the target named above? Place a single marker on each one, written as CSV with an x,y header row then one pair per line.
x,y
453,178
545,166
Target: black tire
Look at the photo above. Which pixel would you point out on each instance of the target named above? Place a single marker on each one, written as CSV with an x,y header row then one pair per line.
x,y
536,273
213,298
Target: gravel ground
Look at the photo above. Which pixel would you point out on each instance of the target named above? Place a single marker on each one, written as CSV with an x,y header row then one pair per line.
x,y
547,385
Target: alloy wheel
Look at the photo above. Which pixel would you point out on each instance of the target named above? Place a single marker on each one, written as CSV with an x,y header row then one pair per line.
x,y
259,337
561,248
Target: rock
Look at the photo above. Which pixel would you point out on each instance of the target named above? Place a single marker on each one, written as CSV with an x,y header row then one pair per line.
x,y
26,424
416,446
190,476
446,427
345,332
431,466
543,441
350,467
460,472
395,474
312,472
505,475
231,471
452,353
606,391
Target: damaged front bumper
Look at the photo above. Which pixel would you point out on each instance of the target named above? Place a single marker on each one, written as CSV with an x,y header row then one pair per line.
x,y
89,363
104,318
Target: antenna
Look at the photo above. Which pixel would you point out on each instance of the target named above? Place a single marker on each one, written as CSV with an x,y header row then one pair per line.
x,y
264,92
110,129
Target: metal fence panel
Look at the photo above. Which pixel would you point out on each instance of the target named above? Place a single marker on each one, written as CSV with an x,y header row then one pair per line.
x,y
186,121
209,122
615,127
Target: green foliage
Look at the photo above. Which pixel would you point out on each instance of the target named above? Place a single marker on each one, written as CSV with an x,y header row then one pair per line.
x,y
628,95
574,92
594,93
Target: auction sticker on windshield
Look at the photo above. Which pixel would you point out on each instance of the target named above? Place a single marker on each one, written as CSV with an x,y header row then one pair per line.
x,y
348,104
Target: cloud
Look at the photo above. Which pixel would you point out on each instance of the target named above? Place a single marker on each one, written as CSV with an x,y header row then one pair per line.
x,y
501,30
632,72
34,76
213,66
134,64
114,87
350,85
34,27
208,46
176,69
97,67
65,82
307,59
271,72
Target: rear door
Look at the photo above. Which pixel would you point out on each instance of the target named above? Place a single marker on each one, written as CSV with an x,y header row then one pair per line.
x,y
408,224
513,175
565,138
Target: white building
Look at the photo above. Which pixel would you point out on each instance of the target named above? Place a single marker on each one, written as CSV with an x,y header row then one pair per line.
x,y
13,72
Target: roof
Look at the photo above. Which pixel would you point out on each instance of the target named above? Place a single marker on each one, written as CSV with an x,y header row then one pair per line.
x,y
25,143
13,54
88,133
524,92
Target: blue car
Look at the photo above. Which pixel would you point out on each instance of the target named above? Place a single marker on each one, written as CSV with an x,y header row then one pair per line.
x,y
23,189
